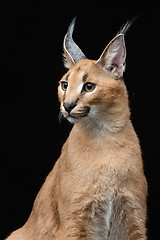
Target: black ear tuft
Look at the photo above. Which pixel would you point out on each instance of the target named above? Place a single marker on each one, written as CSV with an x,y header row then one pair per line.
x,y
125,27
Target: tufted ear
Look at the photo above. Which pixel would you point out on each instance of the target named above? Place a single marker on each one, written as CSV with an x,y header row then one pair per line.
x,y
72,53
113,57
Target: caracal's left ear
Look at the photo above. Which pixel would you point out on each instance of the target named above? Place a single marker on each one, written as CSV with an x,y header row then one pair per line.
x,y
113,57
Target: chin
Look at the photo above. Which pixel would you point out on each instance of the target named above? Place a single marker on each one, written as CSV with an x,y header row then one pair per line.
x,y
72,119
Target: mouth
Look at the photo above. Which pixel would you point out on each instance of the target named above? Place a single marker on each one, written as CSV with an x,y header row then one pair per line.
x,y
76,116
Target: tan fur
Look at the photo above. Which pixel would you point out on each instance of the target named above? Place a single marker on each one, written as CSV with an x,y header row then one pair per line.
x,y
97,188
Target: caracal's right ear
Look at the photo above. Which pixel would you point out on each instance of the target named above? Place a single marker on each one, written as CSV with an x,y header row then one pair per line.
x,y
72,53
113,57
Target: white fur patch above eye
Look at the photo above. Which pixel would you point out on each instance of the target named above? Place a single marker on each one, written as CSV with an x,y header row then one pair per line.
x,y
79,88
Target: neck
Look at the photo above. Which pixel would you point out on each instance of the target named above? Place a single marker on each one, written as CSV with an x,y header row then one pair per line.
x,y
103,134
87,144
98,128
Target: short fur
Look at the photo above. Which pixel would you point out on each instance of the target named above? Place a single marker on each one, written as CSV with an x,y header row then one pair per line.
x,y
97,189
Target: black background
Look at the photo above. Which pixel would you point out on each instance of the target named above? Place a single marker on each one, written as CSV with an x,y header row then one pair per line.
x,y
31,136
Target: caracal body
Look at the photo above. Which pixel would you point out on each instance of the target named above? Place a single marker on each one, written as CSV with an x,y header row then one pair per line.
x,y
97,189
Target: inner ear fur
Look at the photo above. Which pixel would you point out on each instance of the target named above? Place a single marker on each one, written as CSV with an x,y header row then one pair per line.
x,y
67,58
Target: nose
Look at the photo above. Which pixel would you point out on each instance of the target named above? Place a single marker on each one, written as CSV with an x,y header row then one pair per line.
x,y
68,106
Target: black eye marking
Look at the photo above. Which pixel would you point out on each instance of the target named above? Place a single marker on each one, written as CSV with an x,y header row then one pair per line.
x,y
76,100
85,76
67,76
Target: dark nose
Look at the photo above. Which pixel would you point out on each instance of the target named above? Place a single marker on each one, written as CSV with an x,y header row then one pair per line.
x,y
68,106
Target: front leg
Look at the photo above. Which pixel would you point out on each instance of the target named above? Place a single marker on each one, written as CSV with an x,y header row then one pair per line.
x,y
117,218
120,218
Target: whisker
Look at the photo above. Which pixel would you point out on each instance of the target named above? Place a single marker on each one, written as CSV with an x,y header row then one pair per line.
x,y
60,117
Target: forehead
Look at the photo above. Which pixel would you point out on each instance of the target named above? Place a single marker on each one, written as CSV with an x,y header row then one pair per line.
x,y
80,71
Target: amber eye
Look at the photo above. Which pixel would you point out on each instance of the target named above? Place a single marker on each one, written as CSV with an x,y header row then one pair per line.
x,y
89,87
64,85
